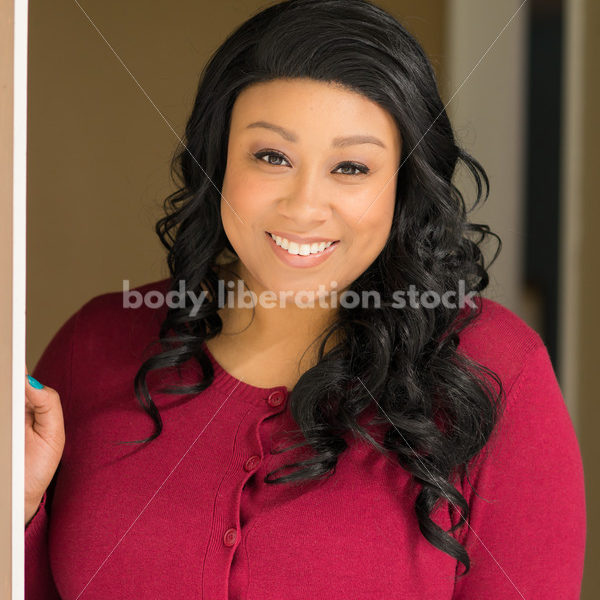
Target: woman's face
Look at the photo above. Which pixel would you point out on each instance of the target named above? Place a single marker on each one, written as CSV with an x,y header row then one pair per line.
x,y
294,170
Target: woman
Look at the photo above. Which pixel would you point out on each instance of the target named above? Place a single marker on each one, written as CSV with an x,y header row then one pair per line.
x,y
415,448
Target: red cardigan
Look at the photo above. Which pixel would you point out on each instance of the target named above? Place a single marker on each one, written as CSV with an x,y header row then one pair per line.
x,y
189,516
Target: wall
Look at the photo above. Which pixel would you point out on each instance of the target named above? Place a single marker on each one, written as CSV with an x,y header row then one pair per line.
x,y
486,58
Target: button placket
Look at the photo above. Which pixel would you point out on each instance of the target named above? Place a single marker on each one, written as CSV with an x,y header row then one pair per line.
x,y
228,527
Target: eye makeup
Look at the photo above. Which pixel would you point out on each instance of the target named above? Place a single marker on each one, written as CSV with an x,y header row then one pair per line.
x,y
359,169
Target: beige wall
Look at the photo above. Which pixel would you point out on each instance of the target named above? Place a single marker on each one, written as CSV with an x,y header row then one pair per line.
x,y
6,306
486,59
99,151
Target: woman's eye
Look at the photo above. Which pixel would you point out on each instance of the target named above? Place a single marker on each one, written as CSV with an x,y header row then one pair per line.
x,y
275,158
270,155
358,169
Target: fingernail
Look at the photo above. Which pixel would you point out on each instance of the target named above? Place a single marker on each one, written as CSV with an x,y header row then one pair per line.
x,y
34,382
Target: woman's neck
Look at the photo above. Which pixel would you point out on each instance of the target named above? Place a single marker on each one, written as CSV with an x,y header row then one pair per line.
x,y
285,337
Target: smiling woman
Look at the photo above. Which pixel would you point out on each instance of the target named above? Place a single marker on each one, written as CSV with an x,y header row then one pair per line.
x,y
340,451
326,184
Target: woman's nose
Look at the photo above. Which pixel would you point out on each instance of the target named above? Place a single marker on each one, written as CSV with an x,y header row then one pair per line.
x,y
306,201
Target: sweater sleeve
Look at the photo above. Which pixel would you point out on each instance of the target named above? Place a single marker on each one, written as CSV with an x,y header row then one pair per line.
x,y
527,528
53,369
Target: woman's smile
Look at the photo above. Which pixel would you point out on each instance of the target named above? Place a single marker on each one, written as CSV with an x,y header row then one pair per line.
x,y
306,255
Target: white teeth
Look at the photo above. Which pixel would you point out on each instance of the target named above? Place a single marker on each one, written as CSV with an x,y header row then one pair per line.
x,y
301,249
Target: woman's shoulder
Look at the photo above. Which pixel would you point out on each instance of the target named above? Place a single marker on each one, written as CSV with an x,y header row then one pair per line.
x,y
532,461
114,322
104,333
500,340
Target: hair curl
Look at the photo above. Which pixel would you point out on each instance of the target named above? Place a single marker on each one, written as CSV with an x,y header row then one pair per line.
x,y
441,406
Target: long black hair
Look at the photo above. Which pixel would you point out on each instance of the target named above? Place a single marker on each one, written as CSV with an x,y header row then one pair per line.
x,y
440,406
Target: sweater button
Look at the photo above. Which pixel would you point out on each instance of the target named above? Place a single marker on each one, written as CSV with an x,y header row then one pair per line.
x,y
230,537
275,398
252,463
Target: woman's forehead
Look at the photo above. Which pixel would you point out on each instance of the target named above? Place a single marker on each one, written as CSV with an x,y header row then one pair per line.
x,y
291,106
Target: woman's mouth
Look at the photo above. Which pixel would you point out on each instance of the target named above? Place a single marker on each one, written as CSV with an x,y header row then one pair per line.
x,y
314,248
301,255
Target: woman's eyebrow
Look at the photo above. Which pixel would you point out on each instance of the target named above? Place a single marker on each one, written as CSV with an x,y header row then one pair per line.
x,y
338,142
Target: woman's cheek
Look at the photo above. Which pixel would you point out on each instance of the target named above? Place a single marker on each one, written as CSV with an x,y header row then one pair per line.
x,y
250,191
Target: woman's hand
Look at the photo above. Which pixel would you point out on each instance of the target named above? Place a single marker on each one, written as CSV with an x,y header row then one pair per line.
x,y
44,442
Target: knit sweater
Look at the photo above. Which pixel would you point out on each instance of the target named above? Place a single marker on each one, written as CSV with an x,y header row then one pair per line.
x,y
190,516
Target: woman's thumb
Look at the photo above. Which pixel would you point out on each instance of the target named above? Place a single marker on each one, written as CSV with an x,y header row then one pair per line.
x,y
34,382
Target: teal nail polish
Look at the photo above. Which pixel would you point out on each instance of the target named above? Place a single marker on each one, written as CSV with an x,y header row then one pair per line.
x,y
34,382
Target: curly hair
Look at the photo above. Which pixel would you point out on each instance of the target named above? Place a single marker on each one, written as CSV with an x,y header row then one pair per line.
x,y
441,407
